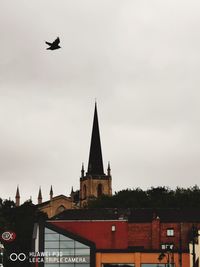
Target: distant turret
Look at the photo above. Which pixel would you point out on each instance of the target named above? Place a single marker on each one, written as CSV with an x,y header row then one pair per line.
x,y
82,171
51,193
40,196
17,198
109,169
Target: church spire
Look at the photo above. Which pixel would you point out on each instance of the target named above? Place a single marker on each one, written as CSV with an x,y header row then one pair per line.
x,y
95,164
108,169
17,197
51,193
40,196
82,171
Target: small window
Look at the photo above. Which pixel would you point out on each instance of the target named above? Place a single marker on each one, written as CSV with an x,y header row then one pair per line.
x,y
118,265
170,232
99,190
167,246
113,228
84,191
157,265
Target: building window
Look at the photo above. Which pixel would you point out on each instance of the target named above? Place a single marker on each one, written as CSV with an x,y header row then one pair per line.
x,y
170,232
84,191
157,265
167,246
113,228
118,265
63,251
99,190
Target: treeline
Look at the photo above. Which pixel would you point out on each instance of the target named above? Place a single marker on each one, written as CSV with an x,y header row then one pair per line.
x,y
155,197
21,221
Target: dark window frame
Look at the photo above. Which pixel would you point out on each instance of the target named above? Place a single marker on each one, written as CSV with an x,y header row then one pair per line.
x,y
68,234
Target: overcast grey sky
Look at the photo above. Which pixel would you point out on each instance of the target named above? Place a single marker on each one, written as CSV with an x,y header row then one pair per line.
x,y
140,59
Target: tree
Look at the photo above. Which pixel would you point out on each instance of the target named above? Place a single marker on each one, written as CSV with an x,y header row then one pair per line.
x,y
21,221
155,197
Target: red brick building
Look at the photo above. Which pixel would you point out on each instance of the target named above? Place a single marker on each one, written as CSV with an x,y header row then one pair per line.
x,y
136,238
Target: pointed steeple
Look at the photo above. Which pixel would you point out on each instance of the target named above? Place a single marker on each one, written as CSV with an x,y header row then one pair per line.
x,y
17,197
108,169
72,194
72,190
51,193
40,196
95,164
17,192
82,171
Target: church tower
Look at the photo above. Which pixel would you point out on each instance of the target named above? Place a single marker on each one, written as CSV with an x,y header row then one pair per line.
x,y
95,182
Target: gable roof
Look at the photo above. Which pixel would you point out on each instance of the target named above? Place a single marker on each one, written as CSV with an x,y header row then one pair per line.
x,y
53,199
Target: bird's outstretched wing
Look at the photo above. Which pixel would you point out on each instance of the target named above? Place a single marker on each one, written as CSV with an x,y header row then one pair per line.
x,y
48,43
57,41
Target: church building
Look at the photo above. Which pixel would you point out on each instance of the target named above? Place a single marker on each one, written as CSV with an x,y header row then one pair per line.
x,y
93,183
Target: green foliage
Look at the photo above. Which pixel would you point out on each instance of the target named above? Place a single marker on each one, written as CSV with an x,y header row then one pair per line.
x,y
20,220
155,197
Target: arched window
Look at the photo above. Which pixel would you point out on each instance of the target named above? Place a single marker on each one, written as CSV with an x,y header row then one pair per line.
x,y
60,209
84,204
99,190
84,191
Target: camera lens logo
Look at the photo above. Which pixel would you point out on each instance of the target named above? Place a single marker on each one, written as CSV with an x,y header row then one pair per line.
x,y
8,236
19,257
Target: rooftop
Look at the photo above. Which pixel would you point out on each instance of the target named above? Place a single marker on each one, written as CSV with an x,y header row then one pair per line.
x,y
132,215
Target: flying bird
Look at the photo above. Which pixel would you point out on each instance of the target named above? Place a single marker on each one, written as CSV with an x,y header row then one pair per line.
x,y
54,45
